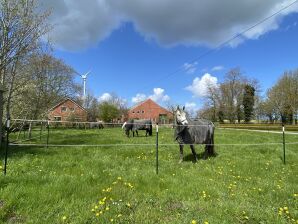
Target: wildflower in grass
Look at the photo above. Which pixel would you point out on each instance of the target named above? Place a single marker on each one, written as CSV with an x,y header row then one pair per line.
x,y
119,178
64,218
128,205
107,208
206,222
295,195
111,220
193,222
119,215
97,214
92,210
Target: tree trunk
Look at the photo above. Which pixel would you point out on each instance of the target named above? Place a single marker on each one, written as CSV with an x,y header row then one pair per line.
x,y
1,113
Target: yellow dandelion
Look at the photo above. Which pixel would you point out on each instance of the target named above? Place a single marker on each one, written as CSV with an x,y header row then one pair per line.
x,y
64,218
206,222
119,178
193,222
97,214
128,205
111,220
285,208
92,210
96,207
107,208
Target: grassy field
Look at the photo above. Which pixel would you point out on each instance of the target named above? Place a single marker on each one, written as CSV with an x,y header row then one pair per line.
x,y
265,127
118,184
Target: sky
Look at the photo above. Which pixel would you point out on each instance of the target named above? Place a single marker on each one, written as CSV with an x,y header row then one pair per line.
x,y
139,48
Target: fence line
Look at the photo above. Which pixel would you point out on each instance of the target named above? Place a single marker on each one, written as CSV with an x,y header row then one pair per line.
x,y
149,144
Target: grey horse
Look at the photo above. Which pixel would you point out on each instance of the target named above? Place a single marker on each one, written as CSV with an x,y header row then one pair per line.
x,y
135,125
192,132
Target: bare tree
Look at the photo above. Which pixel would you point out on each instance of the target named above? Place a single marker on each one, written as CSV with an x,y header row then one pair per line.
x,y
21,27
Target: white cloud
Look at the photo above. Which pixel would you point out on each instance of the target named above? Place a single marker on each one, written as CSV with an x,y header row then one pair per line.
x,y
105,97
81,24
157,96
190,68
217,68
138,98
199,86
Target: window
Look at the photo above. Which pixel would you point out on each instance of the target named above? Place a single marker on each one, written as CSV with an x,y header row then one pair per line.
x,y
133,112
138,111
57,118
72,109
63,109
143,111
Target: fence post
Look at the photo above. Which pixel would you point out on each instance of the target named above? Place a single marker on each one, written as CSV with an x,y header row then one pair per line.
x,y
156,148
7,142
284,142
48,136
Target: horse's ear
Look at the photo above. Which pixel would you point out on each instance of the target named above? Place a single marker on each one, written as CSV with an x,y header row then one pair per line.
x,y
178,107
183,108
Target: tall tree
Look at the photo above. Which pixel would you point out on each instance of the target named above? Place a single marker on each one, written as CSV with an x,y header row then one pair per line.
x,y
248,102
22,25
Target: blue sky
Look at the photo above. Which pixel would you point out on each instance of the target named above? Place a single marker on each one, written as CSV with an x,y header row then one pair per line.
x,y
131,59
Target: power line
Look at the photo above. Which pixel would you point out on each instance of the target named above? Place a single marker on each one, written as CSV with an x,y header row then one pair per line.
x,y
225,42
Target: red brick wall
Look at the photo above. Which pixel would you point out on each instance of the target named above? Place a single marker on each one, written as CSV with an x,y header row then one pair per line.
x,y
149,110
79,113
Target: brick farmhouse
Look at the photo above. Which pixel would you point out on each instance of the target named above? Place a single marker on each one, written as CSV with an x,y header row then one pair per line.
x,y
67,110
148,109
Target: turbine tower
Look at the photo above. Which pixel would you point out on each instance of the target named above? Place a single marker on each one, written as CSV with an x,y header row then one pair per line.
x,y
84,77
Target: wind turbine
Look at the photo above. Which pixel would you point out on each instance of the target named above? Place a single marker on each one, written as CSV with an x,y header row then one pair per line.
x,y
84,77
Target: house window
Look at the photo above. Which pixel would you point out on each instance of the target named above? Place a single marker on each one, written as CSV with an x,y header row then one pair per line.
x,y
72,109
133,112
57,118
143,112
63,109
138,111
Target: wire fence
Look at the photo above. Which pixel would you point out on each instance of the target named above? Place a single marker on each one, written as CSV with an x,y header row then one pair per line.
x,y
65,134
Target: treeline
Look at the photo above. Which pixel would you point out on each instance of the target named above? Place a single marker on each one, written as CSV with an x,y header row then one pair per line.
x,y
238,99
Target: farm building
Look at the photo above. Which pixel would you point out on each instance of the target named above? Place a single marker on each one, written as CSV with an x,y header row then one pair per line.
x,y
67,110
148,109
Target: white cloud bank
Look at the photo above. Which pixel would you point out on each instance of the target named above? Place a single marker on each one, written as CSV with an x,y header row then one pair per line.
x,y
81,24
199,86
157,96
105,97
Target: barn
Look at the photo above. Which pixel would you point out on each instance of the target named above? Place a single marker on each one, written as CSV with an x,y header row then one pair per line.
x,y
149,109
67,110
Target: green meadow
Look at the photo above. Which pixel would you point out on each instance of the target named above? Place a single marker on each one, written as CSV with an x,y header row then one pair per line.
x,y
112,179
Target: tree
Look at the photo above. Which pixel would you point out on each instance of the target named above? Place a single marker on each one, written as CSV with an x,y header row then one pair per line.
x,y
48,80
22,25
248,102
108,111
232,93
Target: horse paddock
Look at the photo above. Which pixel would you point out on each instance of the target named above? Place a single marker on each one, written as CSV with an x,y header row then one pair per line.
x,y
101,176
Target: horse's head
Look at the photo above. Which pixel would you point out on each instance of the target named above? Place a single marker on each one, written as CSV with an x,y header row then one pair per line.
x,y
180,116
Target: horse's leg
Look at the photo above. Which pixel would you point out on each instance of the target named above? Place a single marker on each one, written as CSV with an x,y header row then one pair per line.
x,y
194,152
181,153
137,133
